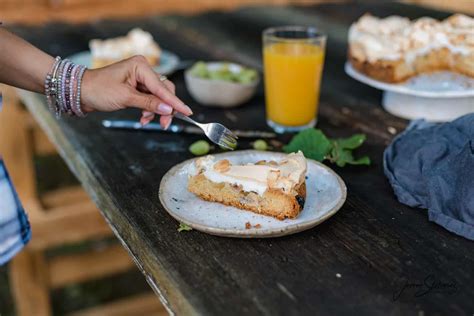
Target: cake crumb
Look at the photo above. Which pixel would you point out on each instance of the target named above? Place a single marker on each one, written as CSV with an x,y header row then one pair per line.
x,y
248,225
392,130
231,116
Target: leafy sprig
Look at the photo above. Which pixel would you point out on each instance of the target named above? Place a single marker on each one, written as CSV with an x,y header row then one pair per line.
x,y
315,145
184,227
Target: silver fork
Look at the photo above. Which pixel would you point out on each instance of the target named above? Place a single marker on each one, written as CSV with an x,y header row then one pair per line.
x,y
216,132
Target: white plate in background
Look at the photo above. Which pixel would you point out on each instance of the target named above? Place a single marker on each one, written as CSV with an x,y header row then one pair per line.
x,y
168,61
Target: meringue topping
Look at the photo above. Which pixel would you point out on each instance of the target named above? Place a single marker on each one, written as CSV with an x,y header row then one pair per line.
x,y
136,42
396,37
284,175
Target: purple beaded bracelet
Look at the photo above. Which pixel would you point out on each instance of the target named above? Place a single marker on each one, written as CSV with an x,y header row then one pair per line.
x,y
63,88
72,89
66,90
62,96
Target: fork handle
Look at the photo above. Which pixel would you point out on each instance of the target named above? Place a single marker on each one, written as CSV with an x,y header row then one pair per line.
x,y
183,117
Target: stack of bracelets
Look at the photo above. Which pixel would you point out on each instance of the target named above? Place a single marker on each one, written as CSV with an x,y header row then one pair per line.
x,y
63,88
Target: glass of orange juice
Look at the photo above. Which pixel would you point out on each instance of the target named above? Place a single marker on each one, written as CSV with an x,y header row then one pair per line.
x,y
293,58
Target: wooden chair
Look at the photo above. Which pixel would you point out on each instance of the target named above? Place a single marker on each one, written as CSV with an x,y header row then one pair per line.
x,y
60,217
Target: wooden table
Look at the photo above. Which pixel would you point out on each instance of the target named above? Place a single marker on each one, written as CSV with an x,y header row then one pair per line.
x,y
355,263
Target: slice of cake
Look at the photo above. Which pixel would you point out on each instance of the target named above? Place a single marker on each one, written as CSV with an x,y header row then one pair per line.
x,y
394,49
136,42
271,188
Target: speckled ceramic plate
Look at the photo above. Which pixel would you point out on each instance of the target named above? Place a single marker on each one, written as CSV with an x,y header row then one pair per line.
x,y
326,193
168,61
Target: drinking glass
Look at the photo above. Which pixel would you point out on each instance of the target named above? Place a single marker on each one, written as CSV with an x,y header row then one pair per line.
x,y
293,58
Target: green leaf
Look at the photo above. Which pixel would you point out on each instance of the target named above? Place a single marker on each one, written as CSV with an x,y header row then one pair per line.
x,y
352,142
341,157
315,145
344,157
365,160
312,142
184,227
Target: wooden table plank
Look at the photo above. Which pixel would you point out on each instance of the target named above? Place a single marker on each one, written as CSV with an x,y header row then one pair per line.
x,y
374,242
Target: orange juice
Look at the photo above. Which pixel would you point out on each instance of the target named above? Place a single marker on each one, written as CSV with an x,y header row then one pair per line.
x,y
292,80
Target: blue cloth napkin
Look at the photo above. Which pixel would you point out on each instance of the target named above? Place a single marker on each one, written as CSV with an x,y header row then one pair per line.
x,y
431,166
14,227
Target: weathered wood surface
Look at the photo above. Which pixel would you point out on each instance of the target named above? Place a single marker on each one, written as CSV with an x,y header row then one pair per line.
x,y
374,243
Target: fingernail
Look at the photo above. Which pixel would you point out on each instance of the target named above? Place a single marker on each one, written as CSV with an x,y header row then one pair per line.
x,y
164,109
168,125
147,114
189,110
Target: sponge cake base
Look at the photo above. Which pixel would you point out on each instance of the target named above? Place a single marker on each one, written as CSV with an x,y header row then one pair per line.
x,y
272,203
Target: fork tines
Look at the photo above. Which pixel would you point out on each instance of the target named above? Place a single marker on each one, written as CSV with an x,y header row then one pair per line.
x,y
228,140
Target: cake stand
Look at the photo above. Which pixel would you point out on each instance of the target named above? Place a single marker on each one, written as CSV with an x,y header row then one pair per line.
x,y
436,97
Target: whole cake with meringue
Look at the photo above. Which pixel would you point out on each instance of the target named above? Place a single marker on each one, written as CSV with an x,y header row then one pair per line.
x,y
273,188
394,49
136,42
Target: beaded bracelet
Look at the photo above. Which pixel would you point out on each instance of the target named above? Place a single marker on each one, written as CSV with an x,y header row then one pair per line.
x,y
60,101
50,85
72,89
77,108
67,85
63,88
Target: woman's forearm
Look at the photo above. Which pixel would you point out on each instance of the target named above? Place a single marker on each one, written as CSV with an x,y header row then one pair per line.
x,y
21,64
129,83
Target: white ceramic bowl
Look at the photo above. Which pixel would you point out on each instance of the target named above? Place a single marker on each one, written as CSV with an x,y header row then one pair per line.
x,y
219,93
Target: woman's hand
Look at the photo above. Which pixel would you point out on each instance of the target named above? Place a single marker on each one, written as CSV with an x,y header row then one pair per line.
x,y
131,83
